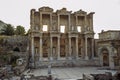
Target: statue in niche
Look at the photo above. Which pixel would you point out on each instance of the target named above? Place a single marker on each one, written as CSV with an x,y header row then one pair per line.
x,y
87,28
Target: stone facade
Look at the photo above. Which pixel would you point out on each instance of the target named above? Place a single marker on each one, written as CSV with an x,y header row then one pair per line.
x,y
61,35
109,48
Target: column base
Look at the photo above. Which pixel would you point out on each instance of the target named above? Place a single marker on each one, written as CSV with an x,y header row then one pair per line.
x,y
40,59
58,58
33,65
69,58
86,58
51,58
77,58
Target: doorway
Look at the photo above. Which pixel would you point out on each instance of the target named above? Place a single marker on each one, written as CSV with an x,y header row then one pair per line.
x,y
105,57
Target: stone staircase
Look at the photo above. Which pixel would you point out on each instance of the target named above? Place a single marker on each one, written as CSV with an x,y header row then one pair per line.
x,y
67,63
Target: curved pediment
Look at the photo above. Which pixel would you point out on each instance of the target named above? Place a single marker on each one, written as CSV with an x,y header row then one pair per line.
x,y
46,9
63,11
80,12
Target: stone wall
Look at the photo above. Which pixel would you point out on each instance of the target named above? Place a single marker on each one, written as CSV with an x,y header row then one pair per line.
x,y
14,43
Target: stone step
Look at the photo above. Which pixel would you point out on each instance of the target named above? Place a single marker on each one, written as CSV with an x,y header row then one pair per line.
x,y
68,63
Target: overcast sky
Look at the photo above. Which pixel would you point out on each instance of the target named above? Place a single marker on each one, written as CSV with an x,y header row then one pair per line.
x,y
106,17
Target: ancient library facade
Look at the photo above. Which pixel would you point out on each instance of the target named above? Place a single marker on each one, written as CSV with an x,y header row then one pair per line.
x,y
61,36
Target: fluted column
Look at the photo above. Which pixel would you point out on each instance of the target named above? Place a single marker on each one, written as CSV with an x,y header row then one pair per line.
x,y
86,54
58,55
51,45
41,54
76,47
32,50
69,47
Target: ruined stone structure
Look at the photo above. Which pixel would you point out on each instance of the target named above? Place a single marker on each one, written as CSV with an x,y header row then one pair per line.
x,y
109,48
61,35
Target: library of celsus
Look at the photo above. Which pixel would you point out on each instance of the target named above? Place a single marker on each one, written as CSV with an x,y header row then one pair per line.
x,y
61,36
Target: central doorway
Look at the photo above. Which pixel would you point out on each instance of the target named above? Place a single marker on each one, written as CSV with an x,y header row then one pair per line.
x,y
105,57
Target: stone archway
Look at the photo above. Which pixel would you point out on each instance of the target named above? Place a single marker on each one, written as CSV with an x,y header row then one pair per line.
x,y
105,55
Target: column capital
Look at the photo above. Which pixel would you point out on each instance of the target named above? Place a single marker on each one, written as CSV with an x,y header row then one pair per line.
x,y
69,37
51,36
32,36
58,37
40,37
86,36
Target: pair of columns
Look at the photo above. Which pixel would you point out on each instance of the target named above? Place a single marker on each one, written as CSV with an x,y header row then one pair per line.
x,y
70,48
86,48
51,48
32,48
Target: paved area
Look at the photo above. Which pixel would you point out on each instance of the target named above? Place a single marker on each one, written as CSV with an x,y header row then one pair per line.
x,y
69,73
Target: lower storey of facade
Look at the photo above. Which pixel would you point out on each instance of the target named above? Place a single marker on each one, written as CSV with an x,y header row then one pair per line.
x,y
61,47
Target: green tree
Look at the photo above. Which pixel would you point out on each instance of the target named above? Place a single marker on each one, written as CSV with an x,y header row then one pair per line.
x,y
20,30
27,32
7,30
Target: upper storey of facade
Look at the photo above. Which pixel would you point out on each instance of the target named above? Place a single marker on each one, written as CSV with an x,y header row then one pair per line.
x,y
45,20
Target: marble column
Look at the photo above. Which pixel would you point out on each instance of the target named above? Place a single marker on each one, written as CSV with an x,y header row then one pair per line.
x,y
32,19
69,22
70,48
58,55
50,22
76,47
76,22
41,54
32,50
51,46
85,24
92,46
41,26
86,54
58,23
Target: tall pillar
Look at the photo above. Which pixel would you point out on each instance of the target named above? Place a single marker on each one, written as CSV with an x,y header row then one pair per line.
x,y
76,47
51,46
85,24
69,23
32,20
82,48
50,22
41,49
58,23
58,55
76,23
76,20
41,22
69,47
92,46
32,50
86,54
